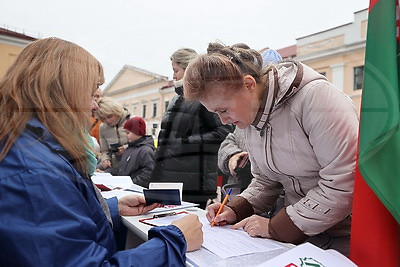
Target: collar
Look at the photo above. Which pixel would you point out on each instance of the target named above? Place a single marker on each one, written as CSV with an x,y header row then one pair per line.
x,y
273,96
136,142
37,128
267,100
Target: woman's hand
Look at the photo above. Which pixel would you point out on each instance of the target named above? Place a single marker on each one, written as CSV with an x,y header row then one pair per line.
x,y
134,205
255,225
121,149
227,215
191,229
234,161
105,164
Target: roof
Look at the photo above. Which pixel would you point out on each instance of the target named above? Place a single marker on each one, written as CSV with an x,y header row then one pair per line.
x,y
288,52
18,35
156,78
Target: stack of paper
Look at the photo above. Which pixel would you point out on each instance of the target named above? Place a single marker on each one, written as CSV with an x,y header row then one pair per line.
x,y
113,182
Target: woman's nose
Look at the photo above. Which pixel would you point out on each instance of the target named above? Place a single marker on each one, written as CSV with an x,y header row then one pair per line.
x,y
224,119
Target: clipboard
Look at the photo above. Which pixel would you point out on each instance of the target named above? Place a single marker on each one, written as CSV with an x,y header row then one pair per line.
x,y
159,219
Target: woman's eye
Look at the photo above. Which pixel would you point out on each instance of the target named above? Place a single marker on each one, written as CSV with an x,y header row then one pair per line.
x,y
222,111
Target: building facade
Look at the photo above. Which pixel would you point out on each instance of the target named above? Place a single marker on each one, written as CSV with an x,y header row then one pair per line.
x,y
11,44
337,53
143,93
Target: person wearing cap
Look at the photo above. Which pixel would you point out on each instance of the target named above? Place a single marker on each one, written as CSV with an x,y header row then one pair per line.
x,y
138,159
270,56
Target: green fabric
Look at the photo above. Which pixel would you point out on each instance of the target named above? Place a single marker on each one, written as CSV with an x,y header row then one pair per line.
x,y
92,160
379,150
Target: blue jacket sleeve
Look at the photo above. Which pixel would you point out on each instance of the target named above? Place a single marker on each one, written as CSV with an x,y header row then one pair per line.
x,y
166,247
47,220
113,206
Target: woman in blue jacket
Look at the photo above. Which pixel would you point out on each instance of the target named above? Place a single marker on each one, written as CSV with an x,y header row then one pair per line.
x,y
50,212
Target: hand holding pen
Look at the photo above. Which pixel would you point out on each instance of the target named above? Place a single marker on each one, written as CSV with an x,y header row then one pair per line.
x,y
220,214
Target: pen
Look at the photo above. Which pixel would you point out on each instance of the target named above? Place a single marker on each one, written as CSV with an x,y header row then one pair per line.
x,y
222,205
164,215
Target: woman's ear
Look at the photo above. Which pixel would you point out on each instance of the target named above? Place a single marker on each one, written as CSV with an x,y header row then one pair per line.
x,y
250,82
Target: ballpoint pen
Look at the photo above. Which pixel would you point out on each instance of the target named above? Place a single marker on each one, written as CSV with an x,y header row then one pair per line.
x,y
222,205
164,215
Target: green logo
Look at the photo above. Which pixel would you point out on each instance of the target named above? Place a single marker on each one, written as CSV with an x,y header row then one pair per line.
x,y
310,262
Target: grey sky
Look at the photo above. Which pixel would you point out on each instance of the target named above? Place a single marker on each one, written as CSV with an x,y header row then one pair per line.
x,y
145,33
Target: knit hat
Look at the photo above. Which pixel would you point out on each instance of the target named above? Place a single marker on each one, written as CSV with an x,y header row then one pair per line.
x,y
136,125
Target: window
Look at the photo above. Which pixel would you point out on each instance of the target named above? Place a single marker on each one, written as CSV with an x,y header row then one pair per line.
x,y
144,111
358,77
166,105
154,110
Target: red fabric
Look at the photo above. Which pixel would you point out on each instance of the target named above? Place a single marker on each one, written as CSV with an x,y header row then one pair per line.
x,y
220,180
371,4
136,125
374,233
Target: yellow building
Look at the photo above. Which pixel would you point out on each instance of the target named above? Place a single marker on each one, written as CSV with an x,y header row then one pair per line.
x,y
11,44
143,93
338,53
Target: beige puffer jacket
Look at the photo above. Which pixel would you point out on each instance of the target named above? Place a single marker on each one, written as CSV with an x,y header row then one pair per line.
x,y
305,141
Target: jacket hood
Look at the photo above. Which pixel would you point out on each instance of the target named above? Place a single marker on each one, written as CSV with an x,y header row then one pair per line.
x,y
292,76
283,81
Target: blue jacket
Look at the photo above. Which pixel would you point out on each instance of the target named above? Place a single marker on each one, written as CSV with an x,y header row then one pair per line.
x,y
50,215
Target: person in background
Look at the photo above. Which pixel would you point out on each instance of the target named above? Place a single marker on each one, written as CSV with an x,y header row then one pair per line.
x,y
112,137
188,141
51,213
301,135
270,56
138,159
95,122
233,148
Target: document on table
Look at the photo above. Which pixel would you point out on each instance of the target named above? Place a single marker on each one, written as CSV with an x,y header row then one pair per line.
x,y
226,242
116,182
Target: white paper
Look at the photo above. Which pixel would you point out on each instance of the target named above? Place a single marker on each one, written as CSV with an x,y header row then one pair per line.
x,y
102,174
309,255
167,220
167,208
113,182
227,242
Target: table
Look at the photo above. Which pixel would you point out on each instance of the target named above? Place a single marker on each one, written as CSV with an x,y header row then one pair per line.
x,y
137,234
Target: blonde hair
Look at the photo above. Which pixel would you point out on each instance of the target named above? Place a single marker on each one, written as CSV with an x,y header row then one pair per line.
x,y
52,80
108,106
183,56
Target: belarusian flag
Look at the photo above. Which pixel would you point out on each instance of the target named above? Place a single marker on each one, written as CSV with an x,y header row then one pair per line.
x,y
376,209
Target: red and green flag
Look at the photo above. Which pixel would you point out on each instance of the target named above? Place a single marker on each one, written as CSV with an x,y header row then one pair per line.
x,y
376,208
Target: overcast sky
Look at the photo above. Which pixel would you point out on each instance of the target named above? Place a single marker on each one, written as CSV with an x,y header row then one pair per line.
x,y
145,33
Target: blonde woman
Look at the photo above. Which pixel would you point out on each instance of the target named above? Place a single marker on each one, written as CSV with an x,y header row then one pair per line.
x,y
112,137
50,211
